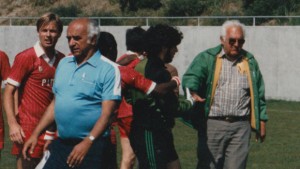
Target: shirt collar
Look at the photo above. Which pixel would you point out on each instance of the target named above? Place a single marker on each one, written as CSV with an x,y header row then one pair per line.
x,y
223,55
41,53
93,61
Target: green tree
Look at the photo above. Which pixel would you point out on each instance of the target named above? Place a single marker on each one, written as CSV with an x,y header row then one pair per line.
x,y
134,5
270,7
67,11
149,4
131,3
185,8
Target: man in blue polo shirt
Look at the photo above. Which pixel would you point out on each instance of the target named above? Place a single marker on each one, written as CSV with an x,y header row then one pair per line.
x,y
86,88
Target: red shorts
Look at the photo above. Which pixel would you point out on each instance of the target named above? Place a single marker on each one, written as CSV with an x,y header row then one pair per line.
x,y
113,136
38,150
124,125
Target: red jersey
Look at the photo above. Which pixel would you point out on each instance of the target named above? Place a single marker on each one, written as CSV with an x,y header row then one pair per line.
x,y
33,73
130,77
4,71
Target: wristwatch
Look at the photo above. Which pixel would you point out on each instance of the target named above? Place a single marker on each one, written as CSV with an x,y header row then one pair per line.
x,y
91,138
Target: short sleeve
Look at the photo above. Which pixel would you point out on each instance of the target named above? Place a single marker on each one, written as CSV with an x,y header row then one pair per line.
x,y
4,66
22,66
112,84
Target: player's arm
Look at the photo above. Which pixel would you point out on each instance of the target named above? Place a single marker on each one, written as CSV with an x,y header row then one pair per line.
x,y
4,71
46,120
126,60
16,102
135,79
164,88
21,68
79,151
16,133
1,132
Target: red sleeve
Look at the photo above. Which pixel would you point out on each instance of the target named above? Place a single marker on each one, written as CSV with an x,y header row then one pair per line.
x,y
133,78
133,63
4,71
22,66
1,131
4,66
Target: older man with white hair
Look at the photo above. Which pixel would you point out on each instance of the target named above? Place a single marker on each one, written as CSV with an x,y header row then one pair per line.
x,y
229,79
86,89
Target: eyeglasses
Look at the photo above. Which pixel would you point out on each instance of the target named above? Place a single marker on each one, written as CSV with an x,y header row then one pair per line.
x,y
232,41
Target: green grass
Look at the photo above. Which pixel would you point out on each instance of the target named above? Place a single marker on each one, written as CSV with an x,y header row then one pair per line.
x,y
281,150
282,147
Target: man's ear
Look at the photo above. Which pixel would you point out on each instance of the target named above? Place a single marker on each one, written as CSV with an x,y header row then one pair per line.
x,y
222,39
93,40
164,50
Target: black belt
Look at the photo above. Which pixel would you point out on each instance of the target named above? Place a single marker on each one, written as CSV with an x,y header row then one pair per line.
x,y
230,119
70,142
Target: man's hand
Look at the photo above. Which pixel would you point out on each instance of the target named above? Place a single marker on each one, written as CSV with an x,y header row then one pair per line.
x,y
48,137
16,133
29,144
177,80
193,96
197,98
47,143
263,132
78,153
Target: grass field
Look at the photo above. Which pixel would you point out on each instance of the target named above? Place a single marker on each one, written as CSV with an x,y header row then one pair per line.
x,y
281,150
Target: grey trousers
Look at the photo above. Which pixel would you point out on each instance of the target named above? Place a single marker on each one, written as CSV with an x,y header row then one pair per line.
x,y
223,145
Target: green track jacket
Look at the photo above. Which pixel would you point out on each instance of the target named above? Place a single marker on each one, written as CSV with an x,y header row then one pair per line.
x,y
203,74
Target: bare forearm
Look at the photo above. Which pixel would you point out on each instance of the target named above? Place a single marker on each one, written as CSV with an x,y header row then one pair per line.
x,y
80,150
108,108
8,103
16,133
100,126
164,88
16,102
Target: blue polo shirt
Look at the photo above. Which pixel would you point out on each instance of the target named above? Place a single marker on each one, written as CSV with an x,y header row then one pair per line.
x,y
79,92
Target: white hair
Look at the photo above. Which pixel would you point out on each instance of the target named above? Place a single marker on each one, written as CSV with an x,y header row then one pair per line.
x,y
230,23
93,30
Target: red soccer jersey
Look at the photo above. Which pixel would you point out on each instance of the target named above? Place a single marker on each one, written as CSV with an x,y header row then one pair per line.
x,y
130,77
33,73
4,71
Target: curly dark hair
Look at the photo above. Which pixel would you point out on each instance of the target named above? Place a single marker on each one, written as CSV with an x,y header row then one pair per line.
x,y
160,36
